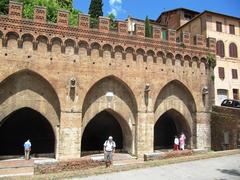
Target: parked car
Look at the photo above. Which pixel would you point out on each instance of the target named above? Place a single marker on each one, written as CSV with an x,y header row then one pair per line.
x,y
231,103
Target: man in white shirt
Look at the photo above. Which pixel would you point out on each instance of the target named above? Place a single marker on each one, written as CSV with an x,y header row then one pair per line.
x,y
109,148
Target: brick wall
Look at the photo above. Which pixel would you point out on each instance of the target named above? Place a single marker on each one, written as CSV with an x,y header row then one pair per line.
x,y
225,122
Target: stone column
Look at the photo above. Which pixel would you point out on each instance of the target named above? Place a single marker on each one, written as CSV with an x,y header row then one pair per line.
x,y
70,135
203,130
145,133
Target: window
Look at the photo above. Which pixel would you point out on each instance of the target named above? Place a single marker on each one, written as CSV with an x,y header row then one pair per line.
x,y
231,29
164,35
187,16
219,26
235,94
233,50
221,72
234,74
220,49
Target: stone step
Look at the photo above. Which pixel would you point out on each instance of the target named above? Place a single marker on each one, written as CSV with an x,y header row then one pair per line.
x,y
16,167
17,171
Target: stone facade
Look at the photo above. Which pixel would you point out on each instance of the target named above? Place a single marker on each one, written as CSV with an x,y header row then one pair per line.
x,y
206,25
66,74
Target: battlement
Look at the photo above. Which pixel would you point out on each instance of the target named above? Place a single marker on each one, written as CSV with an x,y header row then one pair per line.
x,y
15,24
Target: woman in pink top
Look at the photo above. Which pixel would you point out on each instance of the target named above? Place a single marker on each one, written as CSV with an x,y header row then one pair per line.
x,y
182,141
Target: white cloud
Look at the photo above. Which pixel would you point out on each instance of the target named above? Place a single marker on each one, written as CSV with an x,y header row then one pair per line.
x,y
115,6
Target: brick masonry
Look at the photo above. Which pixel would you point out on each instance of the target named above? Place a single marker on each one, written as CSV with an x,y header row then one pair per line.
x,y
68,67
225,122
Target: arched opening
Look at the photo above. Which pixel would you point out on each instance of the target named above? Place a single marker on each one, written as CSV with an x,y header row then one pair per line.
x,y
171,123
111,95
23,124
103,125
175,111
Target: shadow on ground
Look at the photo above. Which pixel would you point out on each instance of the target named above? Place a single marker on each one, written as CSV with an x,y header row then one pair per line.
x,y
232,172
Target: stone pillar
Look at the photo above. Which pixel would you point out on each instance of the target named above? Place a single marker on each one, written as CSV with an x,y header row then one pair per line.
x,y
122,28
83,21
140,30
70,135
199,40
15,10
185,38
40,14
145,133
171,35
203,130
157,33
104,24
62,19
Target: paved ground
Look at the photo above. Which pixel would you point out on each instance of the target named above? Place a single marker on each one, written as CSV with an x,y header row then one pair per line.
x,y
222,168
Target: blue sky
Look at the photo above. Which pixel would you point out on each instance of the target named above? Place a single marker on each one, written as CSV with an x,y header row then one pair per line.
x,y
153,8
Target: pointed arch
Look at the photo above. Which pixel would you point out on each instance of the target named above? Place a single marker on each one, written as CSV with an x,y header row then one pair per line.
x,y
112,94
41,96
107,122
175,95
107,84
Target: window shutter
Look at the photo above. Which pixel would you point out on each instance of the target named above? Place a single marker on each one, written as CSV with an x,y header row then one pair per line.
x,y
219,26
234,74
164,35
221,72
233,50
220,49
231,29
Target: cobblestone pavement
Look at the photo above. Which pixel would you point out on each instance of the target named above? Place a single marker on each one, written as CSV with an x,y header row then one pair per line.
x,y
222,168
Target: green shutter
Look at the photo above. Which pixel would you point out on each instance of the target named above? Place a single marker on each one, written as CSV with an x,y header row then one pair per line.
x,y
164,35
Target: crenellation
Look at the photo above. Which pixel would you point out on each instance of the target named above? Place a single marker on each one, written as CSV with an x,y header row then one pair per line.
x,y
83,21
40,14
171,35
185,38
63,18
140,30
199,40
157,33
15,10
104,24
211,44
122,28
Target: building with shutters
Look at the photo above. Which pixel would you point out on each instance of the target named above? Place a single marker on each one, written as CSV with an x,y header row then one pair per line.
x,y
226,30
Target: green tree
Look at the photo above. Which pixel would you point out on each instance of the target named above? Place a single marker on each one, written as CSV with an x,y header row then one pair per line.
x,y
148,28
52,7
95,9
4,7
73,20
66,4
113,23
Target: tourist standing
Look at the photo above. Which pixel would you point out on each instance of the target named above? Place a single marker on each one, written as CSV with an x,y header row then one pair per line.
x,y
109,149
176,143
27,149
182,141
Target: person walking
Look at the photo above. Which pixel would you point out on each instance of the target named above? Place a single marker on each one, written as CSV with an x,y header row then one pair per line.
x,y
109,149
176,143
27,149
182,141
